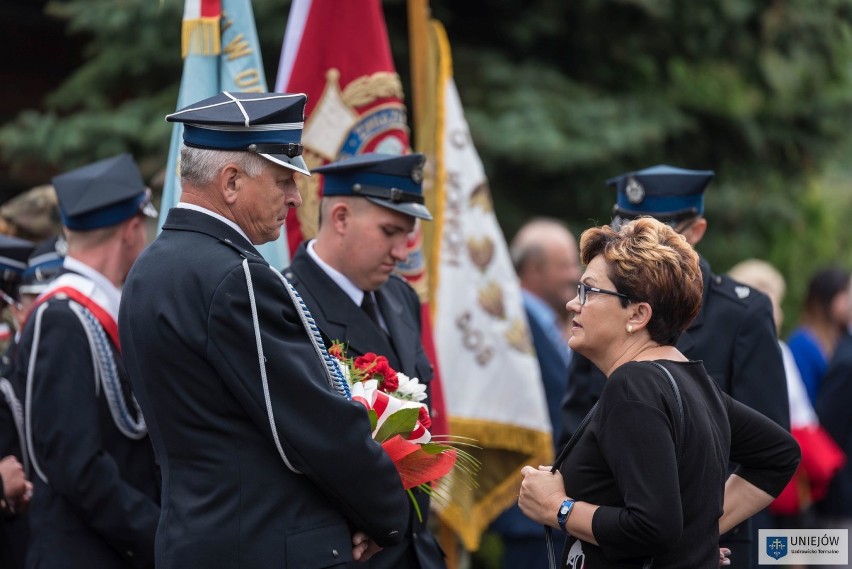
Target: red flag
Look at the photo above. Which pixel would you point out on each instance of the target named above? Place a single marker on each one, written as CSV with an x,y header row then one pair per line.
x,y
339,55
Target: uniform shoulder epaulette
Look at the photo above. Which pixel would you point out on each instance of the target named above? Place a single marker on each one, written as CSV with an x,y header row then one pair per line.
x,y
728,287
243,252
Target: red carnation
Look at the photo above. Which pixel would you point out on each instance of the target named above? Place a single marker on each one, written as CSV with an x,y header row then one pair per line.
x,y
368,362
424,418
390,383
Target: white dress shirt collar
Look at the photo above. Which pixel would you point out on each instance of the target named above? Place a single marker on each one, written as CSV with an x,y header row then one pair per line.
x,y
112,292
225,220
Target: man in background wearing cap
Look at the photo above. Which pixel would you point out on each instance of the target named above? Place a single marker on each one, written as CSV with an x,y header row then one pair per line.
x,y
96,496
265,462
733,334
369,207
15,489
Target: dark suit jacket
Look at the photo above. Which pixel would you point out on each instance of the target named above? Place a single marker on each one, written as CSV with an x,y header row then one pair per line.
x,y
101,503
734,335
341,319
229,498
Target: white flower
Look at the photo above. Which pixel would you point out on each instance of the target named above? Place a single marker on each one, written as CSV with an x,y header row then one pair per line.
x,y
410,388
344,371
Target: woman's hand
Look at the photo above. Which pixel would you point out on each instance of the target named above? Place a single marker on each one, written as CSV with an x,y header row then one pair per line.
x,y
723,556
542,492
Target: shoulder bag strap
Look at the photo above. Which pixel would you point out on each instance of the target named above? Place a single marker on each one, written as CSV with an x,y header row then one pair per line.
x,y
679,408
548,531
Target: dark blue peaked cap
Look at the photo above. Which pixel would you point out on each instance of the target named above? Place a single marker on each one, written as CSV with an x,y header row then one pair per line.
x,y
13,260
269,124
102,194
43,265
664,192
389,180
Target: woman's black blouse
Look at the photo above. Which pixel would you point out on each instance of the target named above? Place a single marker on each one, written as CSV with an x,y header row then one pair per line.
x,y
652,503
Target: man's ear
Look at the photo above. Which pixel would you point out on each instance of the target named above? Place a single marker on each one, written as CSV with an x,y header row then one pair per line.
x,y
229,182
696,231
340,216
128,232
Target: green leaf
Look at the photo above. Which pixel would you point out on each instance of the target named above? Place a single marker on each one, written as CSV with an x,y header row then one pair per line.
x,y
399,423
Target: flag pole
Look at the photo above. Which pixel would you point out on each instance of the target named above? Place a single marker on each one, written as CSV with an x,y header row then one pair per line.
x,y
418,22
419,56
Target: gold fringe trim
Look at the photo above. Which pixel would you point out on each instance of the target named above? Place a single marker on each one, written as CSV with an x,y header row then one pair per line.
x,y
504,450
201,36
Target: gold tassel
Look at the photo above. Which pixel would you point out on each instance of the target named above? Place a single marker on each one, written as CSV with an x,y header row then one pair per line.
x,y
201,36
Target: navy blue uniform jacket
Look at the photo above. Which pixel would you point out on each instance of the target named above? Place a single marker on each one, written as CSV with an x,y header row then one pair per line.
x,y
101,503
229,498
341,319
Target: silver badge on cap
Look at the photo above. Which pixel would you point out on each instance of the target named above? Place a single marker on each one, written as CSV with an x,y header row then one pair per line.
x,y
634,191
417,174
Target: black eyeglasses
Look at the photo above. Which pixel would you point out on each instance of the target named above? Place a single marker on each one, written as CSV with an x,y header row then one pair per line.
x,y
583,290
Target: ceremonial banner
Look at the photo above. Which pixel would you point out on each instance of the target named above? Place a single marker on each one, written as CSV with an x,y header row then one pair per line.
x,y
221,53
491,376
337,52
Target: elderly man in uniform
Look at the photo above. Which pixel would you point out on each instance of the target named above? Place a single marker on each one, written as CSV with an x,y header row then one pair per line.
x,y
733,334
265,461
96,496
369,207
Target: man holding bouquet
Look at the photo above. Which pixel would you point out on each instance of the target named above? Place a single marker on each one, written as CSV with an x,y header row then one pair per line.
x,y
370,205
265,462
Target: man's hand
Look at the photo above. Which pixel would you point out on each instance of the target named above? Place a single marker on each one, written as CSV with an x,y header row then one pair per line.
x,y
16,488
363,547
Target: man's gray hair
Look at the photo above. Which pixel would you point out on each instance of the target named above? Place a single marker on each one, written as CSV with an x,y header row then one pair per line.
x,y
199,166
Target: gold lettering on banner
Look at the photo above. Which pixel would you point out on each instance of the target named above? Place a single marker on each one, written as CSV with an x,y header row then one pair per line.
x,y
454,242
248,81
238,47
226,22
474,340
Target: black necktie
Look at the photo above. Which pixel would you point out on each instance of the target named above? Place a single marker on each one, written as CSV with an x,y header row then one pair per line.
x,y
368,304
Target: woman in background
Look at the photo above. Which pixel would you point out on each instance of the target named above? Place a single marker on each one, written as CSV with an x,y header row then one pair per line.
x,y
824,320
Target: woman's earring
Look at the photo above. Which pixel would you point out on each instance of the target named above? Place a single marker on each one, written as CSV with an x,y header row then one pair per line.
x,y
630,328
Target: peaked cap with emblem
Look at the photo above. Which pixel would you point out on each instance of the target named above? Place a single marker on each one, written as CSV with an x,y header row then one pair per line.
x,y
43,265
388,180
666,193
269,124
13,261
102,194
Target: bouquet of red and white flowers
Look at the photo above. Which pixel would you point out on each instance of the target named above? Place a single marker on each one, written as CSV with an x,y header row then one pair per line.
x,y
400,421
